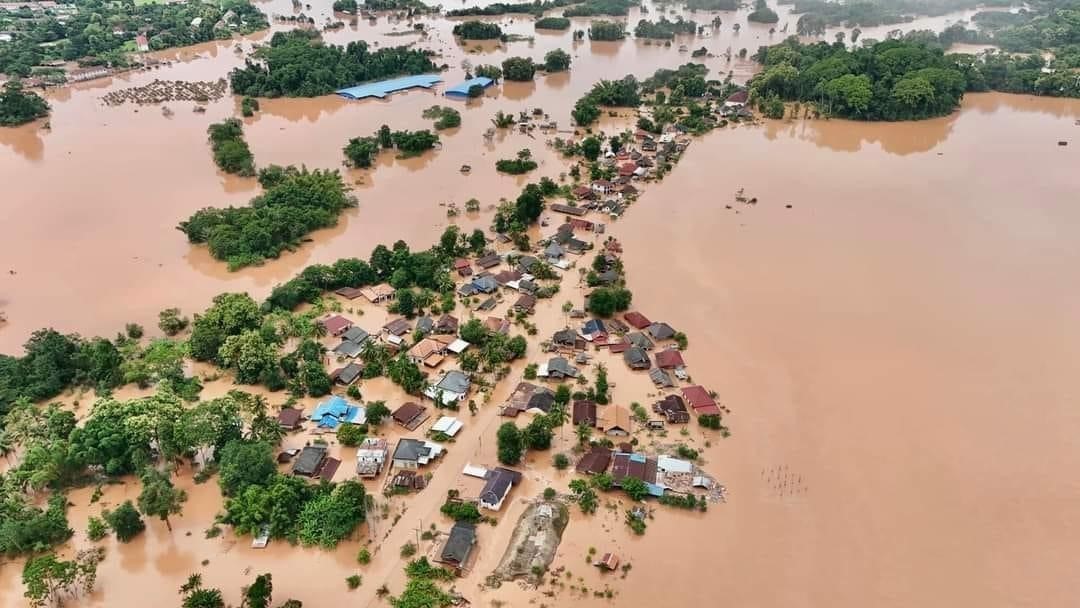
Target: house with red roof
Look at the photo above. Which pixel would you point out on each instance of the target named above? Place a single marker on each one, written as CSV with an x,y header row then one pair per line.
x,y
336,325
669,359
700,400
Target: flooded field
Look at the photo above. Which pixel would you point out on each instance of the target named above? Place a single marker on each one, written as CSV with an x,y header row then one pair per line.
x,y
900,339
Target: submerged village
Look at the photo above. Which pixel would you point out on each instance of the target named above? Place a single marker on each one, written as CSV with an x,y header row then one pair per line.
x,y
492,419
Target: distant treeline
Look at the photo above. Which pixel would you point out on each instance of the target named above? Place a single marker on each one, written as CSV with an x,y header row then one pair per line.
x,y
664,29
507,8
298,64
594,8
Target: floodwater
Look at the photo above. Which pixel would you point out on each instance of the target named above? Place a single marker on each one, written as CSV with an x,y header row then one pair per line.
x,y
899,340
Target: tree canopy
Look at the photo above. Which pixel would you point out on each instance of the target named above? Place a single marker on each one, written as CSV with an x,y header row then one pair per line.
x,y
18,106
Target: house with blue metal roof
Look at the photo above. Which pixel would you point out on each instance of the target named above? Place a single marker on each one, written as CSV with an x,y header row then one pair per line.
x,y
383,88
336,410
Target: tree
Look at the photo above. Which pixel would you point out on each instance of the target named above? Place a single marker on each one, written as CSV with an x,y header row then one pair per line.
x,y
48,578
518,69
851,94
376,412
350,435
171,322
18,106
537,434
196,596
332,516
230,314
584,432
125,522
259,593
386,139
489,71
159,497
557,60
561,462
606,301
250,355
603,481
361,151
245,463
473,331
590,148
607,30
477,30
601,387
511,443
634,488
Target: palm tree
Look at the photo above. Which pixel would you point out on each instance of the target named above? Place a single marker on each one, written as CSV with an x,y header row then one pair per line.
x,y
584,432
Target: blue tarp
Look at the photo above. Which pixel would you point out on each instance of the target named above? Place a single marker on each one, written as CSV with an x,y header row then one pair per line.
x,y
463,88
383,88
335,411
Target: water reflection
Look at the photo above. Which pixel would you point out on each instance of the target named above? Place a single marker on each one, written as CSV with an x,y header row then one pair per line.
x,y
25,140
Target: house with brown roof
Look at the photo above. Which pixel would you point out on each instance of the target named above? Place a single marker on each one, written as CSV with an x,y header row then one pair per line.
x,y
410,415
673,409
595,461
583,193
378,293
289,418
462,267
497,325
397,327
637,320
567,209
336,325
525,304
700,400
425,349
638,466
446,324
584,412
488,261
669,359
614,420
507,276
636,358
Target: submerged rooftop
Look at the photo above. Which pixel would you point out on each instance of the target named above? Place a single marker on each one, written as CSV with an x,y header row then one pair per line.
x,y
383,88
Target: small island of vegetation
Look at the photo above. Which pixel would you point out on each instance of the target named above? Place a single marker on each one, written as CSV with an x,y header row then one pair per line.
x,y
298,64
231,152
299,202
664,29
537,8
517,166
478,30
552,23
762,13
556,60
596,8
607,30
18,106
518,69
445,117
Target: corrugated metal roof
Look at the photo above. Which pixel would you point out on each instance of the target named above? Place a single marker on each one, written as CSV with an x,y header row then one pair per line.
x,y
462,89
383,88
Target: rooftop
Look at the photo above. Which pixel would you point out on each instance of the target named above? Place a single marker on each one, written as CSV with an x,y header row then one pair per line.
x,y
382,88
462,89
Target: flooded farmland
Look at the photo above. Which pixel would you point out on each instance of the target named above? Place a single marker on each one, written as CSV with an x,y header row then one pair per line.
x,y
893,324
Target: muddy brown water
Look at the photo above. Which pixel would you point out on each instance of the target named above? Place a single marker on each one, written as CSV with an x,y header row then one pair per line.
x,y
897,346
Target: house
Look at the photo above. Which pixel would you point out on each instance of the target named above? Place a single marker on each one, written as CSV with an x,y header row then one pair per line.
x,y
640,340
584,412
410,415
497,325
378,293
565,337
601,186
453,387
661,331
669,359
371,457
89,73
627,169
609,561
497,487
424,349
458,346
348,374
447,425
447,324
614,420
349,293
593,328
488,304
554,252
310,461
618,347
462,267
336,410
637,320
397,327
673,409
526,263
348,349
700,400
628,191
335,325
567,209
737,99
637,466
582,193
557,368
425,325
414,453
289,418
355,334
142,43
459,545
525,304
636,358
507,276
594,462
661,378
540,401
485,284
488,261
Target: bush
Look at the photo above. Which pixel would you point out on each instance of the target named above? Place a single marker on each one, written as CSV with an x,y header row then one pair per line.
x,y
607,30
408,550
364,556
709,421
231,152
561,462
477,30
96,529
351,435
461,511
445,117
549,493
511,443
518,69
353,581
553,23
489,71
125,522
636,524
557,60
170,322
